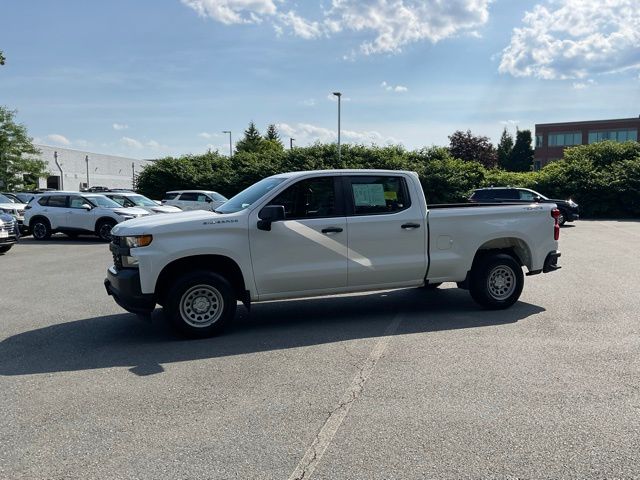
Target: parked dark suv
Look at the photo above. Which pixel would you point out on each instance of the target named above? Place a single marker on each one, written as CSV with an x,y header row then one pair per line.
x,y
568,208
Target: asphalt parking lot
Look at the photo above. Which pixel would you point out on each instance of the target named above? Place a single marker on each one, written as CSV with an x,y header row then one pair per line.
x,y
403,384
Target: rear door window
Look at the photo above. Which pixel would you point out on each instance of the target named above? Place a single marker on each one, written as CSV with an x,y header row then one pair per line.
x,y
57,201
526,195
378,195
189,197
505,194
170,196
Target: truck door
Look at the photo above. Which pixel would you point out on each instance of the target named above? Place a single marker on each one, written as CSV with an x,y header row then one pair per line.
x,y
387,238
307,251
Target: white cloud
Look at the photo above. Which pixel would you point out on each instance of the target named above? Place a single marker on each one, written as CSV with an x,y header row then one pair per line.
x,y
131,142
301,27
59,139
391,88
583,85
233,11
509,122
572,39
120,126
392,24
204,135
309,102
308,133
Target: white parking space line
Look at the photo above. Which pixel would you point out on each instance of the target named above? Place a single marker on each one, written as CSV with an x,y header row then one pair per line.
x,y
324,437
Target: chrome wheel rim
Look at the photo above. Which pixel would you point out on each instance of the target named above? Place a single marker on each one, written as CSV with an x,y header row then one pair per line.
x,y
105,231
201,306
39,230
501,282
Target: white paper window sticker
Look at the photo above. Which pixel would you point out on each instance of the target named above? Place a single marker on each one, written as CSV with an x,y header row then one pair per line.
x,y
369,195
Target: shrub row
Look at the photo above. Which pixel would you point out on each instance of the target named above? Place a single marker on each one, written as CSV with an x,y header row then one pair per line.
x,y
604,178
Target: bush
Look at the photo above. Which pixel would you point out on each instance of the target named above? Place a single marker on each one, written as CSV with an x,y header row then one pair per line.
x,y
604,178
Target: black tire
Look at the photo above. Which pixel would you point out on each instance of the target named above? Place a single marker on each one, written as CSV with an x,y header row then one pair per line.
x,y
103,229
40,228
5,248
432,286
496,281
207,289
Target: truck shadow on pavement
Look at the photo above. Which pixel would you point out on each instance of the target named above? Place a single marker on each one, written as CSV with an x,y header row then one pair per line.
x,y
124,341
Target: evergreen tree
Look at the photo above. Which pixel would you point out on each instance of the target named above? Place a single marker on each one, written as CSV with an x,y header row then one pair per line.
x,y
252,140
15,148
521,159
2,59
505,147
272,134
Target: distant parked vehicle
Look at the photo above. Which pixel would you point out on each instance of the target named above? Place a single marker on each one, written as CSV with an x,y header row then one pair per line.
x,y
24,197
75,213
16,210
194,199
130,199
8,232
96,188
569,210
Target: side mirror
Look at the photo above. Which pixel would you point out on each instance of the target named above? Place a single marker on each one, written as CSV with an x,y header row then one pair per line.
x,y
537,199
86,206
208,200
268,215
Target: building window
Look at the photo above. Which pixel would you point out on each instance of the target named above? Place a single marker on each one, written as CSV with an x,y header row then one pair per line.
x,y
565,139
626,135
539,141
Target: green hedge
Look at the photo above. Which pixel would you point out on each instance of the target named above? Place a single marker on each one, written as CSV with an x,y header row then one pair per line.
x,y
604,178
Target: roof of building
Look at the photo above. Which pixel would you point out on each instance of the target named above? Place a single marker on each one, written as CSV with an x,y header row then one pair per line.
x,y
586,122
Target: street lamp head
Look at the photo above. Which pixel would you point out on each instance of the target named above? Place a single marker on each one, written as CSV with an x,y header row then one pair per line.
x,y
337,94
226,131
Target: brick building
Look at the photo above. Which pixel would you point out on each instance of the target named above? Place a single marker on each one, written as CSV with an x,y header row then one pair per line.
x,y
552,138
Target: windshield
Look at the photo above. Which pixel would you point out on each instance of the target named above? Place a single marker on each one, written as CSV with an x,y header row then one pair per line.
x,y
250,195
142,201
5,199
102,201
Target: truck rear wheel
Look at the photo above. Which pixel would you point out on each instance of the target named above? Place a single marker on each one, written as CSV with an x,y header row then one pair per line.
x,y
496,281
200,304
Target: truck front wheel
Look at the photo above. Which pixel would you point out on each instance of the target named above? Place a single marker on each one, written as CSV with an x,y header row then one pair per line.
x,y
496,281
200,304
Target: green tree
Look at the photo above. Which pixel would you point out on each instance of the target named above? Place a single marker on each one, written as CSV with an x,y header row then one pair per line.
x,y
17,168
505,147
472,148
252,140
521,158
2,59
273,135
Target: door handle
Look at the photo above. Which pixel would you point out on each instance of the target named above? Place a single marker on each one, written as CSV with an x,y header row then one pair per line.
x,y
331,230
410,226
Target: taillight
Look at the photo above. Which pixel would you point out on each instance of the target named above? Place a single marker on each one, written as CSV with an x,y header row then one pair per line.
x,y
555,213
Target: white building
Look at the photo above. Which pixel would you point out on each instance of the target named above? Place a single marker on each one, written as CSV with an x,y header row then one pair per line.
x,y
75,169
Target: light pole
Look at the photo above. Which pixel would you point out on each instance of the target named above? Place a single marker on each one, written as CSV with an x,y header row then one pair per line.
x,y
55,158
133,175
86,159
230,147
339,95
291,143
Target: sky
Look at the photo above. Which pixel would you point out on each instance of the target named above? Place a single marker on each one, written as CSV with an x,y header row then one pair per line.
x,y
150,78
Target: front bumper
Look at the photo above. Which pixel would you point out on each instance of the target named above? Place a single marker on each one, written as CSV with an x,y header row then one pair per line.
x,y
124,286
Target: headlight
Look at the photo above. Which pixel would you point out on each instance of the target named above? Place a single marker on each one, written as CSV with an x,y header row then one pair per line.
x,y
138,241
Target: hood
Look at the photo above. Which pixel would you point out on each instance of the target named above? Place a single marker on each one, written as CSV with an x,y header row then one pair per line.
x,y
13,206
131,211
154,223
165,209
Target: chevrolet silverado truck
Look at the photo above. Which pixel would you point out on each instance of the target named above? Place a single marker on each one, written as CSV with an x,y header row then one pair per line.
x,y
325,232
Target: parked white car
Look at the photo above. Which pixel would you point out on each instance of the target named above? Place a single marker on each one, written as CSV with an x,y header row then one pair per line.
x,y
75,213
325,232
16,210
130,199
194,199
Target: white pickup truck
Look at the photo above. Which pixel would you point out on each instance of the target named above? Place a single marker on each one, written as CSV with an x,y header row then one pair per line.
x,y
325,232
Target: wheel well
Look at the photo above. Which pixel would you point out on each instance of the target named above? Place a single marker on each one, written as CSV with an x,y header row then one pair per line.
x,y
39,217
104,220
515,247
213,263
